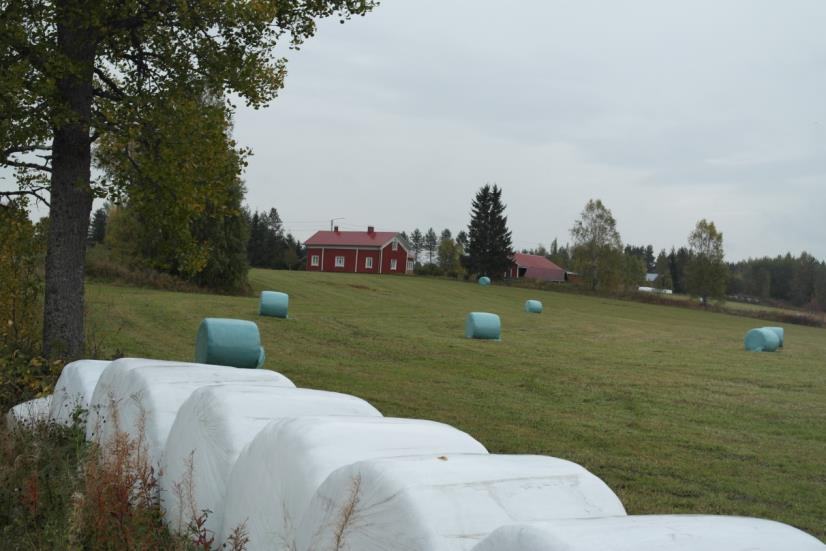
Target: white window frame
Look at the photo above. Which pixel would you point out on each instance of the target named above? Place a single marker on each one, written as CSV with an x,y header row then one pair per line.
x,y
314,260
339,261
368,262
395,245
410,264
393,264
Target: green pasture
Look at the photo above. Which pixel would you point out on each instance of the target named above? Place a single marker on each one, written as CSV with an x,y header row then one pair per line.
x,y
660,402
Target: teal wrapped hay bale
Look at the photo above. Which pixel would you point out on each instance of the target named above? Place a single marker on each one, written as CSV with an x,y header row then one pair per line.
x,y
232,342
533,306
484,280
779,332
274,304
482,325
761,340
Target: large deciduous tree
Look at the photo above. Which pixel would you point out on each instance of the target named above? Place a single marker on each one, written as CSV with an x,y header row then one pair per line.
x,y
597,247
489,239
706,271
72,71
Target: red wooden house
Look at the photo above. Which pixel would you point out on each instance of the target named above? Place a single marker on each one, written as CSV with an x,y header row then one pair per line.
x,y
534,267
369,252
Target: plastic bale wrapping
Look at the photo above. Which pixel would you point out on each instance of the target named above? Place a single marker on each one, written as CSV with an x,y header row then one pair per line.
x,y
533,306
141,399
30,413
482,325
211,429
761,340
74,388
652,533
484,280
274,304
231,342
781,334
446,503
275,478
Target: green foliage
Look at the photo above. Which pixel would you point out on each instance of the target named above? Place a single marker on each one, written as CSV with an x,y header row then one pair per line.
x,y
706,271
431,242
800,281
182,197
22,249
597,248
663,269
268,247
449,255
489,239
417,243
97,228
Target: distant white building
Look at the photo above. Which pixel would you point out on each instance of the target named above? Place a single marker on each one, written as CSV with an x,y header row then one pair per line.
x,y
651,277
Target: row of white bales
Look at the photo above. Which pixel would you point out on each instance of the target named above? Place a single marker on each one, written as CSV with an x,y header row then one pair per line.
x,y
306,470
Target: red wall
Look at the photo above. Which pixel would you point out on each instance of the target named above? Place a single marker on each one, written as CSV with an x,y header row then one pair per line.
x,y
329,260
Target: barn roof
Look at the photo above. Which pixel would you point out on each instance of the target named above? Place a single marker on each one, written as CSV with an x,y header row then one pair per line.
x,y
353,239
533,261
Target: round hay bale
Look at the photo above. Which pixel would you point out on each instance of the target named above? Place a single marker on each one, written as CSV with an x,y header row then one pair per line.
x,y
274,304
650,533
484,280
141,398
211,429
482,325
73,389
231,342
779,332
446,502
761,340
29,414
277,474
533,306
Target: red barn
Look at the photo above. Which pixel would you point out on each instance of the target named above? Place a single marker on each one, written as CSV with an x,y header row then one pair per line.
x,y
534,267
369,252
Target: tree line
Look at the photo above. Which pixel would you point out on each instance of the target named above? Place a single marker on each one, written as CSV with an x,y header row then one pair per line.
x,y
229,246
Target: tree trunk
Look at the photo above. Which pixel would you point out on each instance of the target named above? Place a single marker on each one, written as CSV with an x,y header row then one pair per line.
x,y
71,197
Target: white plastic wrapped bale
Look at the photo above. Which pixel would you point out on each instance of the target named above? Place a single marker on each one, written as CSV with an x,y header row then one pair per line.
x,y
74,388
141,399
447,503
277,475
214,425
29,413
652,533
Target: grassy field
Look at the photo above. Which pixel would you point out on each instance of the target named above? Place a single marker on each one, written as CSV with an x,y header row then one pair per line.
x,y
660,402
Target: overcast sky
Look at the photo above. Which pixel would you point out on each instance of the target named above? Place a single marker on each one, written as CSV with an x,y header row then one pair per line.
x,y
668,111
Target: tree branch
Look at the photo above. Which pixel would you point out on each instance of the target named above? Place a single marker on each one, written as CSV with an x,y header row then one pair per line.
x,y
32,192
23,164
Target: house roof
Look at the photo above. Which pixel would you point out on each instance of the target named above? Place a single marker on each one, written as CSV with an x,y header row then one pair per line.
x,y
353,239
533,261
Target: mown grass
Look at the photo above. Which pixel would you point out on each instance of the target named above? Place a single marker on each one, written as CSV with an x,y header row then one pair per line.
x,y
662,403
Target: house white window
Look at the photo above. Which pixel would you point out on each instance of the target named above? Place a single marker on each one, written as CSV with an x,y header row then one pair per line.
x,y
395,245
393,265
314,260
368,262
410,265
339,262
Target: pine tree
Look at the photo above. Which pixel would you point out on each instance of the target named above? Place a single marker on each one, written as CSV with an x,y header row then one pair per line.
x,y
430,244
417,242
489,246
97,229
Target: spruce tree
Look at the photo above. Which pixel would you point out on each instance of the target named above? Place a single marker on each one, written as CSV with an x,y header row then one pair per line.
x,y
489,244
